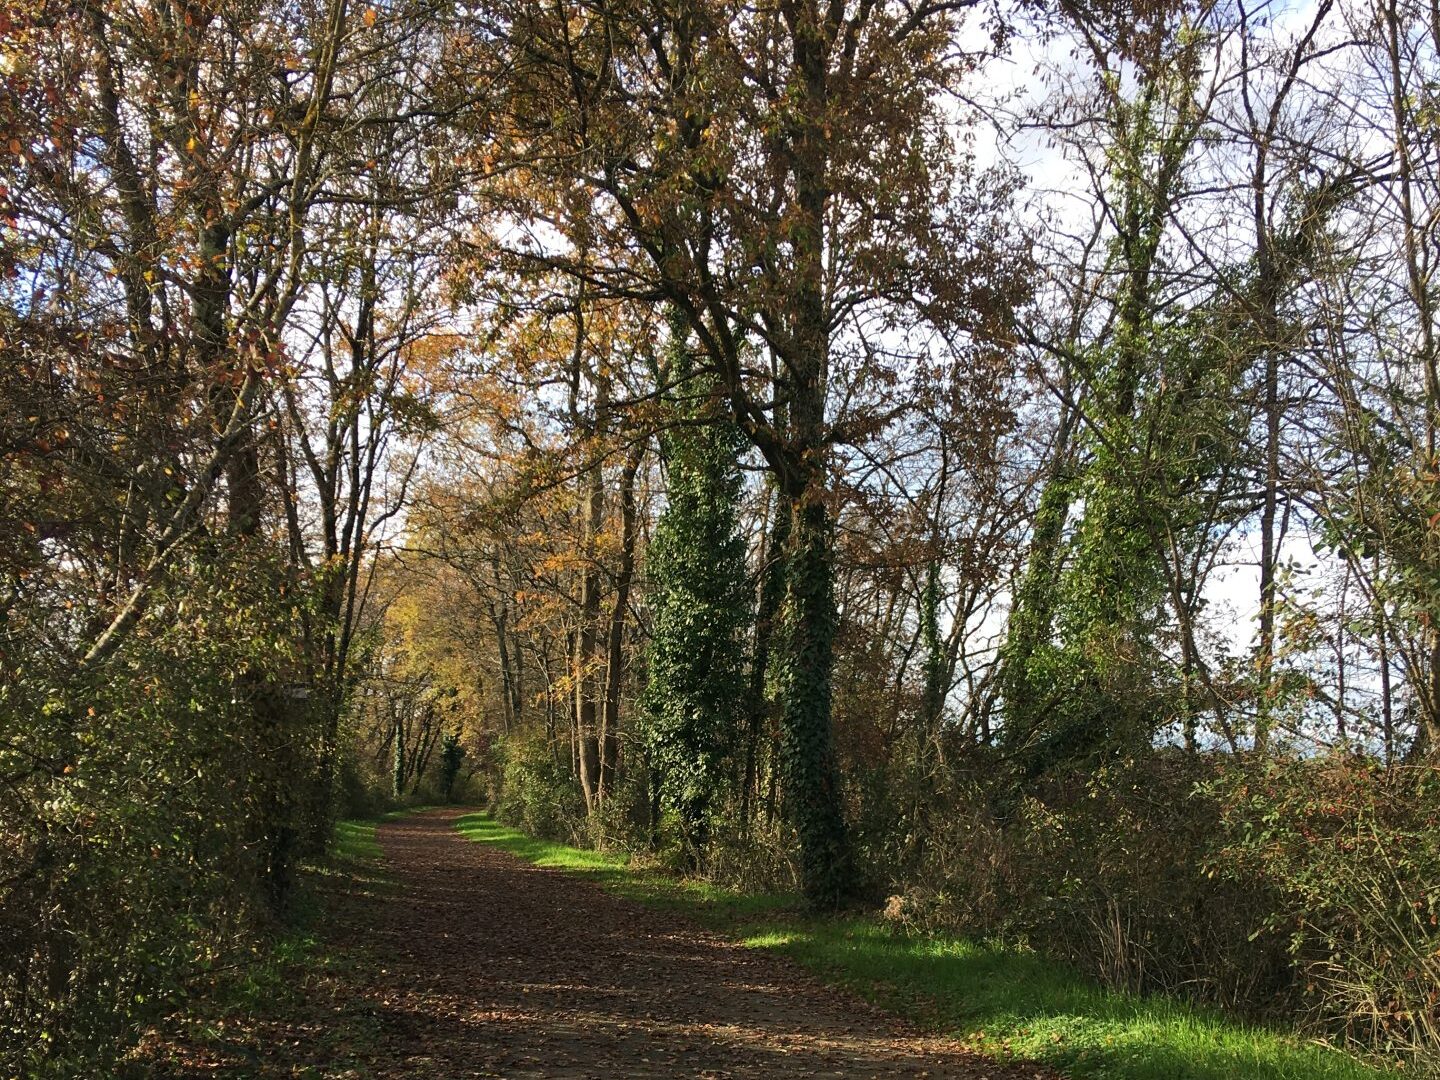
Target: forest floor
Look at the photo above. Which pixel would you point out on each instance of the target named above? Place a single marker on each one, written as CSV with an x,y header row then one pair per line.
x,y
463,960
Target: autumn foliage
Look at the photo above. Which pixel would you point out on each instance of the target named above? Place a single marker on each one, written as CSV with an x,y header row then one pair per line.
x,y
961,458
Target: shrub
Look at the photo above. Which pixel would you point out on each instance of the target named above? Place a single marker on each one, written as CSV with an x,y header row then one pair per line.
x,y
757,858
360,794
1110,872
149,812
536,792
1300,887
1349,854
1106,871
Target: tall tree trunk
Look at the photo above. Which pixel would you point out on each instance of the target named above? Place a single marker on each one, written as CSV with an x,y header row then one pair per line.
x,y
586,679
1417,233
807,753
932,699
398,772
273,826
1269,554
810,773
615,654
1268,326
345,550
761,714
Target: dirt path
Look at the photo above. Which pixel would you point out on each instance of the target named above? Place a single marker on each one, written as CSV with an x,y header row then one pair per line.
x,y
485,966
503,969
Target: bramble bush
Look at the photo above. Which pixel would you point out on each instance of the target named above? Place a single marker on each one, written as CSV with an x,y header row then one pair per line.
x,y
535,792
1103,870
1112,874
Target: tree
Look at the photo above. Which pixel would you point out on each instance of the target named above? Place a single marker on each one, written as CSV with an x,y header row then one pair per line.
x,y
787,179
695,699
1368,471
452,756
160,163
1145,426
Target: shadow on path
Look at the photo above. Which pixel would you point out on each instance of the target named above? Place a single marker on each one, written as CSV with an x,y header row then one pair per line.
x,y
461,960
498,968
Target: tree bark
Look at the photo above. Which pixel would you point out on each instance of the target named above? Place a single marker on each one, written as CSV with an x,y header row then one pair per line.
x,y
615,653
761,717
586,654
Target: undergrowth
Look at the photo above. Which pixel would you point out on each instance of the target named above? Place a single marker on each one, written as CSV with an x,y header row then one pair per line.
x,y
230,1015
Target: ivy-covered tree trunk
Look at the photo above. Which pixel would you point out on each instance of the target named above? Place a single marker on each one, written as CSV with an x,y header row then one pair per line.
x,y
1026,690
1083,653
695,701
810,777
452,755
932,696
398,772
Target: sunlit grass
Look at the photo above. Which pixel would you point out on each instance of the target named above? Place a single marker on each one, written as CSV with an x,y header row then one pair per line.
x,y
695,897
1004,1001
355,842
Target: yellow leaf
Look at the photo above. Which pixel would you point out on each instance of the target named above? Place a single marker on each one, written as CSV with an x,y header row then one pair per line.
x,y
369,16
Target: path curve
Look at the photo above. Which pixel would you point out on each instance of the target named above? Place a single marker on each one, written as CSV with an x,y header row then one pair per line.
x,y
496,968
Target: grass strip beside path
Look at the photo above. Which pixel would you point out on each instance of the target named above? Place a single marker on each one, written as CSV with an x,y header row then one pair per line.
x,y
1005,1002
355,840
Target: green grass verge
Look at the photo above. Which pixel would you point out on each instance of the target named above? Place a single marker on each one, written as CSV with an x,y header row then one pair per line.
x,y
1005,1002
355,841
